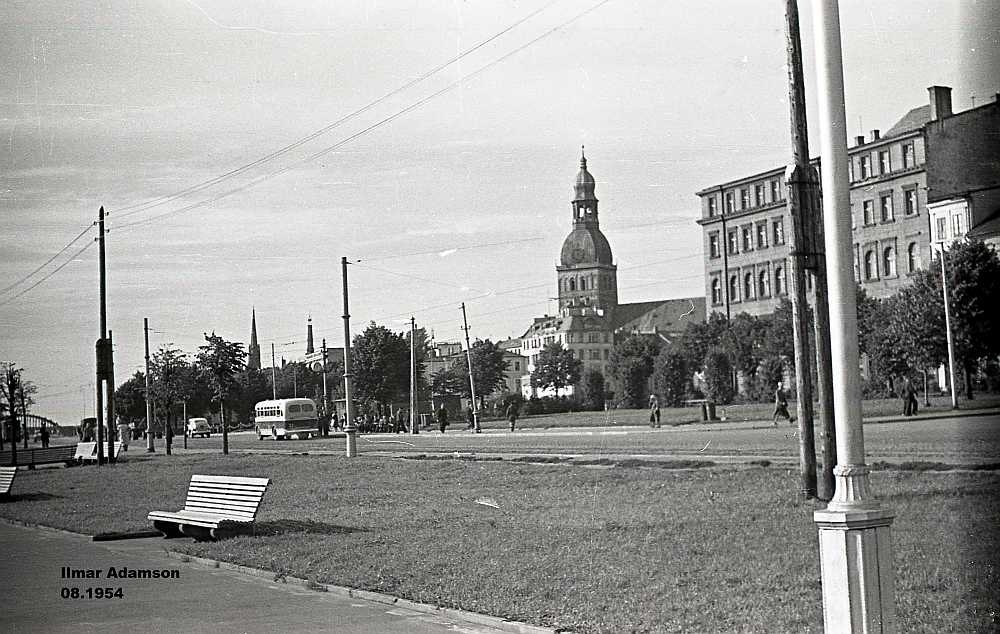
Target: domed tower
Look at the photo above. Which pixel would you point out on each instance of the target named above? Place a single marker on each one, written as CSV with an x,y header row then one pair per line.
x,y
587,275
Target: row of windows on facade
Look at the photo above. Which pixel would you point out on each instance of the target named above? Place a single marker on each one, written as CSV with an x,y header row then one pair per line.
x,y
754,286
735,244
777,194
883,160
886,207
885,267
583,355
958,222
569,337
592,281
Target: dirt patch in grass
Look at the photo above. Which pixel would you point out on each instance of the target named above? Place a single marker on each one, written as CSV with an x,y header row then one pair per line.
x,y
591,550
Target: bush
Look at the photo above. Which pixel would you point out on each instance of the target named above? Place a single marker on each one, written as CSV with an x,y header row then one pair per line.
x,y
551,405
718,377
671,377
592,390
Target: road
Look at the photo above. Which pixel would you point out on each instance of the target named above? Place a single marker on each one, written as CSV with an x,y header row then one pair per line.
x,y
954,439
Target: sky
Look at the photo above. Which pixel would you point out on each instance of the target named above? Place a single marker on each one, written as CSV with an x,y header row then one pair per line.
x,y
455,189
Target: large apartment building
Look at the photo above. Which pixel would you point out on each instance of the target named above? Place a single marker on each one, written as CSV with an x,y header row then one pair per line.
x,y
745,221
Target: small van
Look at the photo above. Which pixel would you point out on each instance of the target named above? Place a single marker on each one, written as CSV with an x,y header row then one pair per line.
x,y
198,427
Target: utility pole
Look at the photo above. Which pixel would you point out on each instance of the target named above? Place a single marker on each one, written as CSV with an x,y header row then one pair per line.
x,y
947,327
326,399
414,426
855,539
102,352
274,381
349,428
807,255
472,382
185,422
149,402
295,381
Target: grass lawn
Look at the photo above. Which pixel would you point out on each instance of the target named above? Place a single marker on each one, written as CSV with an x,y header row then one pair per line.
x,y
588,549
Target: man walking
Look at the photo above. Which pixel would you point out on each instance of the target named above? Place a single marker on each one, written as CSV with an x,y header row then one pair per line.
x,y
442,416
781,405
512,412
654,411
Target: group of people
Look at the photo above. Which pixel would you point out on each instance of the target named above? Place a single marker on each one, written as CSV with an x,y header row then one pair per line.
x,y
471,420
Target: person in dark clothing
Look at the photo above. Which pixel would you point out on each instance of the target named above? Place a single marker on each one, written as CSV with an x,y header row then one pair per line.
x,y
470,418
909,395
442,416
781,406
654,411
169,435
512,412
45,435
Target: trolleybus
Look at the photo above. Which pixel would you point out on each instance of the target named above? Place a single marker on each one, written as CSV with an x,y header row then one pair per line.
x,y
285,418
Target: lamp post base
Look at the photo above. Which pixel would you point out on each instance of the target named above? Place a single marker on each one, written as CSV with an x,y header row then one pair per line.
x,y
855,548
352,442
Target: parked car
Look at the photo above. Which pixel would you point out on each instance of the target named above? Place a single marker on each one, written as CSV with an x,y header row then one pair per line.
x,y
198,427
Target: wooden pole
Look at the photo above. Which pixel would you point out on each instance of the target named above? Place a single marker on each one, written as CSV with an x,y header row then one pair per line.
x,y
414,425
101,355
472,382
150,448
349,428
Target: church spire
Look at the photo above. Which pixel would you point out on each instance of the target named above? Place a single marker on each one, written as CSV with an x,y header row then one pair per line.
x,y
253,350
584,200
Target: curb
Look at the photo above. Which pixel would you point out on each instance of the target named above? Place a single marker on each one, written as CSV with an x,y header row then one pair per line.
x,y
505,625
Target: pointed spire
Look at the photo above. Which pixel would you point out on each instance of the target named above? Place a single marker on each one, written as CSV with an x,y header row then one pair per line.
x,y
583,158
253,350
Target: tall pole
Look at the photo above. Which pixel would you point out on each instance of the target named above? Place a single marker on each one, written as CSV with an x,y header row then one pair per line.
x,y
184,414
326,398
807,237
414,426
101,343
274,381
149,402
349,428
947,327
855,537
110,376
472,382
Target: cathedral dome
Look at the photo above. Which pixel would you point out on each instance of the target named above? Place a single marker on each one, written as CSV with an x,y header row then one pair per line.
x,y
585,245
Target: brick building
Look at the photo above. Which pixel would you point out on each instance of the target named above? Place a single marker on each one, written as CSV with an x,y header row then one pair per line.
x,y
745,221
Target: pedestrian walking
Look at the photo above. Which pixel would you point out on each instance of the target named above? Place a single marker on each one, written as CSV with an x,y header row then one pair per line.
x,y
512,412
123,434
909,395
781,405
169,435
45,435
442,416
470,418
654,411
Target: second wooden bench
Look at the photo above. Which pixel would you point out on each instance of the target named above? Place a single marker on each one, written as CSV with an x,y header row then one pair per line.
x,y
216,507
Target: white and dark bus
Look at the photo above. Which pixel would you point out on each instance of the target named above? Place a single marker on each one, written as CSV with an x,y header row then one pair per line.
x,y
286,418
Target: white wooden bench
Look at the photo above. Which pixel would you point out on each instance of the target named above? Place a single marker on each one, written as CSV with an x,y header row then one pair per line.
x,y
216,506
6,480
87,451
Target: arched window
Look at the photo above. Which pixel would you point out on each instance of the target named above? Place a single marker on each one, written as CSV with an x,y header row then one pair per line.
x,y
889,262
572,284
734,288
912,257
779,281
583,283
870,272
763,284
748,286
716,291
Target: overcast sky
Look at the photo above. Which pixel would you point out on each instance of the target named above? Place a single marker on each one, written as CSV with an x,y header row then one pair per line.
x,y
465,197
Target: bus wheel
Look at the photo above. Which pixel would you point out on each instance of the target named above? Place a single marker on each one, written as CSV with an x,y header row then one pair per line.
x,y
274,433
260,436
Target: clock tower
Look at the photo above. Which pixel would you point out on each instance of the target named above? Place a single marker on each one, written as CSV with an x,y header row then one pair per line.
x,y
587,275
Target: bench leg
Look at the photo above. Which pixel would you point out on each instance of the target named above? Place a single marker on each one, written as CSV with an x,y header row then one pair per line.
x,y
169,529
199,533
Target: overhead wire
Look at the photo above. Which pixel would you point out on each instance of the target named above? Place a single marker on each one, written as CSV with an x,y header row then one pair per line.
x,y
156,202
49,261
461,81
50,274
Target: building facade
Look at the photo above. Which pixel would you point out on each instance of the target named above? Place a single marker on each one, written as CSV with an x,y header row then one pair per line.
x,y
745,222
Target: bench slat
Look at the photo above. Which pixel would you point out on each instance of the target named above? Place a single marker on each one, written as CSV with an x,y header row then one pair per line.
x,y
221,509
7,478
226,494
214,499
237,504
217,490
231,480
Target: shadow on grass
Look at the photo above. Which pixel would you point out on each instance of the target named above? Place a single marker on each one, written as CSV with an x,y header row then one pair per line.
x,y
282,527
924,465
31,497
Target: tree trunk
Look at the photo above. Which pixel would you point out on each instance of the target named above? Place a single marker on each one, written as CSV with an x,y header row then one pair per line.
x,y
967,368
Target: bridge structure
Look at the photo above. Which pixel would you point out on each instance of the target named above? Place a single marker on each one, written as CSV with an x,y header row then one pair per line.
x,y
32,423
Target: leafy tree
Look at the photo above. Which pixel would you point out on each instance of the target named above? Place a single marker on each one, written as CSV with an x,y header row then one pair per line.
x,y
422,350
16,397
488,367
556,368
718,375
448,382
671,376
219,362
700,337
171,379
254,387
745,343
772,372
380,361
631,364
130,399
592,389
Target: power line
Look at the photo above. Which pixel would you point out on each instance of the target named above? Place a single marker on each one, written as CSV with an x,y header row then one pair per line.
x,y
139,207
50,274
374,126
49,261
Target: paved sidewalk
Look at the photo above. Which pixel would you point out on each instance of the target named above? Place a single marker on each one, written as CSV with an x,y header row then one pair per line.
x,y
203,599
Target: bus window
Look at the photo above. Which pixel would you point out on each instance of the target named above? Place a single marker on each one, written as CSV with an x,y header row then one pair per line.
x,y
293,408
306,407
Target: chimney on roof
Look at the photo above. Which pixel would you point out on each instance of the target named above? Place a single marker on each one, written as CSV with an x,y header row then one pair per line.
x,y
859,140
875,134
940,97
